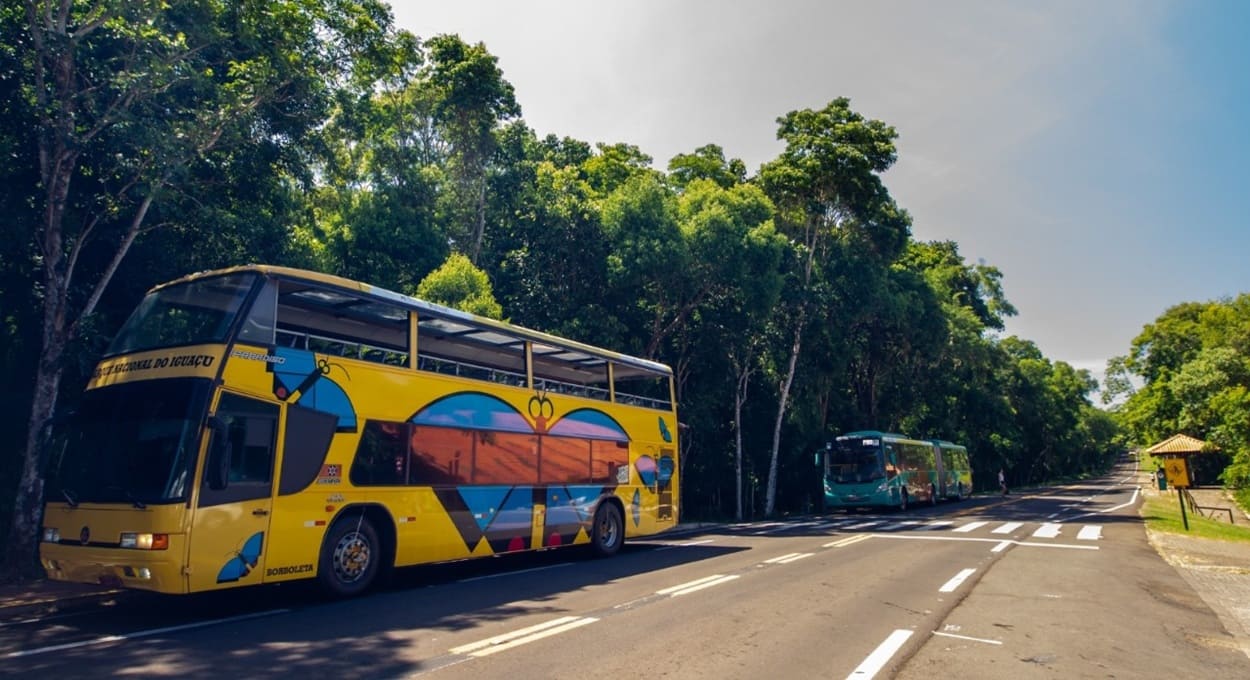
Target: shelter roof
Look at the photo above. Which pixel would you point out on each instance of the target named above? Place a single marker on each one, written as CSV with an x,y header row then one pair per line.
x,y
1180,443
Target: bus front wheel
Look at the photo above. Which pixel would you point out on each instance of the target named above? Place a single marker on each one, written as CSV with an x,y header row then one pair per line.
x,y
608,532
349,556
902,502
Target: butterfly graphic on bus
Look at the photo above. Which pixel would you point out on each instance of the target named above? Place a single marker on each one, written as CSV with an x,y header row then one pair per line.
x,y
303,377
243,560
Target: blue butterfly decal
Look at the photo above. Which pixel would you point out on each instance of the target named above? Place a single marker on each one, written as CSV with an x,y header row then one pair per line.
x,y
241,562
668,436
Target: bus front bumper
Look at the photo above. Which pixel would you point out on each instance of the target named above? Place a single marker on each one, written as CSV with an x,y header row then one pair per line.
x,y
157,571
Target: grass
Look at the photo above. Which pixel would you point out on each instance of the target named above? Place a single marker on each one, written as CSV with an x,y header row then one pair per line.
x,y
1163,513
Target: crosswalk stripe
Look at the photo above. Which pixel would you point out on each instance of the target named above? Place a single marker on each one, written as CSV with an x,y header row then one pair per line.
x,y
1090,532
969,527
1008,528
1048,530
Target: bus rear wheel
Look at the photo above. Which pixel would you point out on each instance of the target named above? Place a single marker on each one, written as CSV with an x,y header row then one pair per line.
x,y
608,532
349,557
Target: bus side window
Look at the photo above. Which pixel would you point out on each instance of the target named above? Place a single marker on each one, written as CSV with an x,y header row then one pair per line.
x,y
382,455
304,447
251,431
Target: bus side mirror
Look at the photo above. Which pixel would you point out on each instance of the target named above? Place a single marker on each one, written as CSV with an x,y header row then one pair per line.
x,y
218,467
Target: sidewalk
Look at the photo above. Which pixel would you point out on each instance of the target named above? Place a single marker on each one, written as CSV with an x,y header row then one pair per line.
x,y
1219,571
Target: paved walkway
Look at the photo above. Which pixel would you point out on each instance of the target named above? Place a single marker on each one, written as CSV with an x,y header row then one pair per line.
x,y
1219,571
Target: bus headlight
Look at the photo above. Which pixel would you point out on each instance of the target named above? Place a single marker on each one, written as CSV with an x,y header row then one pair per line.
x,y
51,535
145,541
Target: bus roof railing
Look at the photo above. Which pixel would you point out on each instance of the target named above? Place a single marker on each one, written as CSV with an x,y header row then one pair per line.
x,y
487,330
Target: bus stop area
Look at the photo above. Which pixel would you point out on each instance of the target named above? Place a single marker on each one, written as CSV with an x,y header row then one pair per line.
x,y
1219,571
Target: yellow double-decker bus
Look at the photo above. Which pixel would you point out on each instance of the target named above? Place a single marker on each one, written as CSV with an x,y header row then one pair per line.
x,y
262,424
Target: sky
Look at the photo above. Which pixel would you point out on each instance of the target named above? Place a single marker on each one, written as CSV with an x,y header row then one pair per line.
x,y
1092,151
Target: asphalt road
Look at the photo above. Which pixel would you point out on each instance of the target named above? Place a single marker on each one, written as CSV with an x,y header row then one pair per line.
x,y
1054,583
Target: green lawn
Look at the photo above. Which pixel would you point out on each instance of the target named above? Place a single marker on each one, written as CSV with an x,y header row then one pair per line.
x,y
1163,513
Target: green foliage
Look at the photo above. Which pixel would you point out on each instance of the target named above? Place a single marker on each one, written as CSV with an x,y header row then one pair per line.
x,y
461,285
1193,365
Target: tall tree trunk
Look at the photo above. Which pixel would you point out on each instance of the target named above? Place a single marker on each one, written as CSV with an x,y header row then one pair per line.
x,y
479,220
740,398
20,558
811,239
770,499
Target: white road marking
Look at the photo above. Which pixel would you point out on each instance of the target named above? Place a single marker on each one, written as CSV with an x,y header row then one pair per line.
x,y
864,525
787,559
1048,530
517,638
1131,501
938,524
917,537
847,541
512,573
880,656
971,526
1090,532
965,637
141,634
1008,528
687,544
699,584
956,581
1001,546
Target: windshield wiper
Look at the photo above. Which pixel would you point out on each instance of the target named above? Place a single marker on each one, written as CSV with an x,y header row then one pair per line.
x,y
137,503
69,498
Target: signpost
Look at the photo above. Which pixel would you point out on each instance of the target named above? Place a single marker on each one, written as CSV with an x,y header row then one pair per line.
x,y
1177,473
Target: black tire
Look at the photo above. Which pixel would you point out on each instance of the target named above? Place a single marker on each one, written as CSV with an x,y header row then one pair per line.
x,y
608,532
350,556
932,495
959,491
902,503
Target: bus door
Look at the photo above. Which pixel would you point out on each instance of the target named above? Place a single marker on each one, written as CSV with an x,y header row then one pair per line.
x,y
230,524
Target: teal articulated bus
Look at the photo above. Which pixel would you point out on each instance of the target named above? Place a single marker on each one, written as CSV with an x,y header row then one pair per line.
x,y
882,469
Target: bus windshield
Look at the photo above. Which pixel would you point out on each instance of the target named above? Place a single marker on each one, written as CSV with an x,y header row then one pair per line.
x,y
185,314
133,442
854,460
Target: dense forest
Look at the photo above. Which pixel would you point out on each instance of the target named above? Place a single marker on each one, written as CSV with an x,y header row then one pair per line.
x,y
1189,372
144,140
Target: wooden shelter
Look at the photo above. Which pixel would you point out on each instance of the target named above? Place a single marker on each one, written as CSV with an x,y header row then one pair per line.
x,y
1186,447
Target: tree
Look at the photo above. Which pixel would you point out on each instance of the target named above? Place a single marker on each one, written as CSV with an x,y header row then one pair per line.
x,y
707,162
827,187
470,99
735,269
460,285
126,98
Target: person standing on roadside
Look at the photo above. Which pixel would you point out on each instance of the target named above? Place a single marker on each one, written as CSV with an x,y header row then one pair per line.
x,y
1002,481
